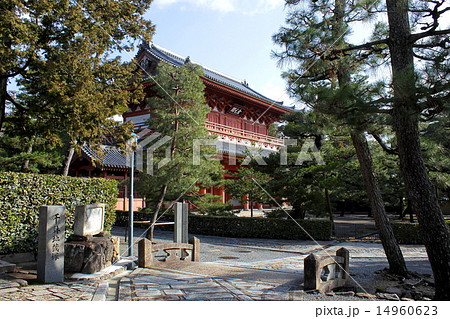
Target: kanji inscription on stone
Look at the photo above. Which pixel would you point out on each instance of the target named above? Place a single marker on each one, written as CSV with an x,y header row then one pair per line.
x,y
50,264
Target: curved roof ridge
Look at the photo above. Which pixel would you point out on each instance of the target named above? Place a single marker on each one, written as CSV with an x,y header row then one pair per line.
x,y
279,102
175,59
168,52
182,59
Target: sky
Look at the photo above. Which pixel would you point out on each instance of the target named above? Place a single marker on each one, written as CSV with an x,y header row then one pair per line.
x,y
233,37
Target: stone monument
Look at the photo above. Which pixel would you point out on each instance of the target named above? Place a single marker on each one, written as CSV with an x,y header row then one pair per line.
x,y
89,219
50,263
90,249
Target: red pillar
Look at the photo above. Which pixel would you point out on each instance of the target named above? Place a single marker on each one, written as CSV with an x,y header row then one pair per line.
x,y
222,194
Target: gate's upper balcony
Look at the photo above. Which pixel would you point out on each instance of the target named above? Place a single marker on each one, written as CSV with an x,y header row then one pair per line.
x,y
239,135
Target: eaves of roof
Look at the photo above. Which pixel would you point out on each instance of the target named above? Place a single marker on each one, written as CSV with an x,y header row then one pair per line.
x,y
109,158
176,60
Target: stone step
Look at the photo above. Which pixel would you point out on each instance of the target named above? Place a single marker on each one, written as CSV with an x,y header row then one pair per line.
x,y
109,272
7,267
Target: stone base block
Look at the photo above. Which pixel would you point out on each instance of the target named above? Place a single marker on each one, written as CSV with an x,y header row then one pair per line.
x,y
7,267
91,256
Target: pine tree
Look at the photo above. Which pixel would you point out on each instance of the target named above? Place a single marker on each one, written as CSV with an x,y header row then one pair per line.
x,y
406,110
413,33
332,86
178,114
248,185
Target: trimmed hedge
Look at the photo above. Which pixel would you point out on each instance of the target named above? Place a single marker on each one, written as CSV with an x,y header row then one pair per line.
x,y
244,227
21,195
408,233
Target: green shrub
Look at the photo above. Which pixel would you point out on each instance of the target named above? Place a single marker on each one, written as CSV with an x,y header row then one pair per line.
x,y
211,205
246,227
215,209
408,233
278,213
21,195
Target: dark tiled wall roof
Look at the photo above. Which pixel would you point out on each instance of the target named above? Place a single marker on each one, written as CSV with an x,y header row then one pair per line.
x,y
110,157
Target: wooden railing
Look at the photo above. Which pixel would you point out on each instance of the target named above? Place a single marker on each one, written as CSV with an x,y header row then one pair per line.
x,y
243,134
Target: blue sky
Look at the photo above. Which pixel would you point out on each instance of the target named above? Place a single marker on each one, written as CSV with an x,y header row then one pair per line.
x,y
230,36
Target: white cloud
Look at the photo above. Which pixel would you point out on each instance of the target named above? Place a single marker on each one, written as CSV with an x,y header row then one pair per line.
x,y
249,7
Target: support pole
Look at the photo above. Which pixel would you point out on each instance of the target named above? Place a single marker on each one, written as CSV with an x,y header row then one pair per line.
x,y
131,208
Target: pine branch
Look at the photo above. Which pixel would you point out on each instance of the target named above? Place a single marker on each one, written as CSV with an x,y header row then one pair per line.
x,y
20,70
387,149
365,46
429,33
15,102
441,43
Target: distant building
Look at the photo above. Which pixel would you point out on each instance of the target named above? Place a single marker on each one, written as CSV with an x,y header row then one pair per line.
x,y
240,117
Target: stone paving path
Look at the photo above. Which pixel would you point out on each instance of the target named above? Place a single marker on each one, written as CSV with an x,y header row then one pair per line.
x,y
148,284
357,251
160,285
221,279
67,291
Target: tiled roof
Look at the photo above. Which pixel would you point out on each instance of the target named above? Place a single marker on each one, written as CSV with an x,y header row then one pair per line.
x,y
174,59
109,157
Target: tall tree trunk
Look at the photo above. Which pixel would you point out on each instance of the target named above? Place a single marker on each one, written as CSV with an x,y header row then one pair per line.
x,y
330,210
391,247
392,250
68,160
6,44
3,88
420,191
162,195
251,204
29,151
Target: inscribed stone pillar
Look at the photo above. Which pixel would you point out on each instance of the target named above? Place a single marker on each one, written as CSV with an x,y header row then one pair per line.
x,y
50,263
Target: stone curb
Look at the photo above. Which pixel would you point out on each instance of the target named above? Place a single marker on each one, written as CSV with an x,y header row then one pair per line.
x,y
109,272
101,292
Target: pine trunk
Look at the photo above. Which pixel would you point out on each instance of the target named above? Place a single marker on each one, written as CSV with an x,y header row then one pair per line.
x,y
251,205
26,164
420,191
3,88
330,210
163,192
68,160
162,195
392,250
